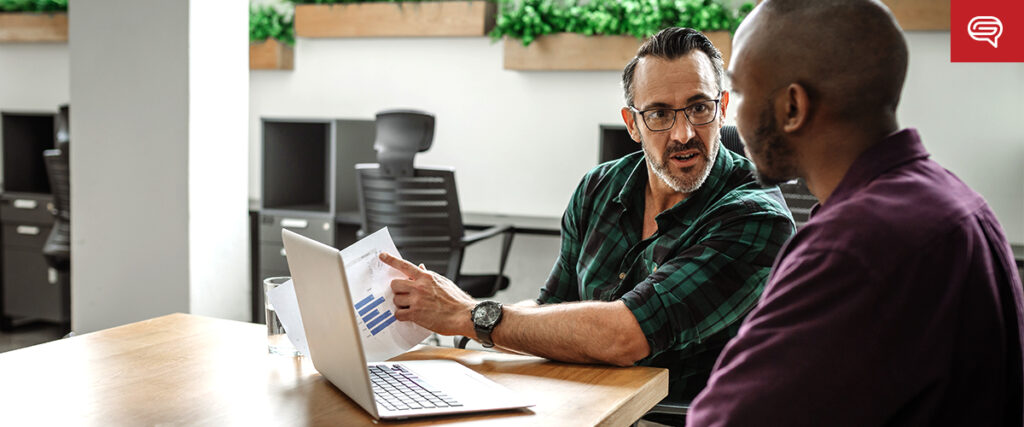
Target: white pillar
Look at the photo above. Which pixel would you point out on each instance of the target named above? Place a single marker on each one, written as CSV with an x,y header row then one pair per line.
x,y
159,131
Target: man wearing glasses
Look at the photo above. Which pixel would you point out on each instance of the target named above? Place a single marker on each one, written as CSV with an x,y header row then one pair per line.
x,y
663,251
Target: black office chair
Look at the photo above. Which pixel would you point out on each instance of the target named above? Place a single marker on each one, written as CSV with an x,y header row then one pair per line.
x,y
731,139
420,206
57,248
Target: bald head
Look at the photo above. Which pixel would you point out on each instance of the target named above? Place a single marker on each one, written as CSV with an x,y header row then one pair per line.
x,y
849,55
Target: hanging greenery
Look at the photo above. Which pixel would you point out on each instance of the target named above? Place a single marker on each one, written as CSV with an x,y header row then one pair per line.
x,y
33,5
269,22
528,19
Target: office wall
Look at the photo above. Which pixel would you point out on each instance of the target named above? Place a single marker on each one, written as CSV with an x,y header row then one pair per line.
x,y
970,118
33,76
521,140
158,94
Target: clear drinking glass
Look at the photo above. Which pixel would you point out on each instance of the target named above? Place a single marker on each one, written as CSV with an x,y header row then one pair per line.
x,y
277,341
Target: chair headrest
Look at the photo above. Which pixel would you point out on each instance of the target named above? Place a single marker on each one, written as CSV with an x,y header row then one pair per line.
x,y
400,135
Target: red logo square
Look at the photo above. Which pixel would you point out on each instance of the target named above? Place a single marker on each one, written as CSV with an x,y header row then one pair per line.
x,y
986,31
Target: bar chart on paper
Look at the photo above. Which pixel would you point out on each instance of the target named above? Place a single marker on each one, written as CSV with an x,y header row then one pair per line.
x,y
373,319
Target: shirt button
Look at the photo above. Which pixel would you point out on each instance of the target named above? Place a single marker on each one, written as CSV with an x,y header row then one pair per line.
x,y
622,276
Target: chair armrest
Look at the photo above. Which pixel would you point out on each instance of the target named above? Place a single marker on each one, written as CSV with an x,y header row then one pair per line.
x,y
471,238
507,232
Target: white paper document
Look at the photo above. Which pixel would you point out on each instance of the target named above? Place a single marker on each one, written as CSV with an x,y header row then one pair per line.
x,y
285,304
369,282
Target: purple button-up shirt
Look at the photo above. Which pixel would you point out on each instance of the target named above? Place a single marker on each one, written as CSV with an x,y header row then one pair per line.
x,y
898,303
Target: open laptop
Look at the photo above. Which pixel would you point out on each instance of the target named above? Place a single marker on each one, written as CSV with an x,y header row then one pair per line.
x,y
387,390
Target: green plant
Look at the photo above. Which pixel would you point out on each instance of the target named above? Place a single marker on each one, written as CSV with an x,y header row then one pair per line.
x,y
33,5
528,19
268,22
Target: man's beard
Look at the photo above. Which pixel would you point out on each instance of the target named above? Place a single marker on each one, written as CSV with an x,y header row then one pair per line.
x,y
770,152
688,182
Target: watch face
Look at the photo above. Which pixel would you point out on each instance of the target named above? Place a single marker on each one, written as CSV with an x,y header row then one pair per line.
x,y
486,314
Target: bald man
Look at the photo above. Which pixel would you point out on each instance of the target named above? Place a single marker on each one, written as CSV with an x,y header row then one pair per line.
x,y
898,302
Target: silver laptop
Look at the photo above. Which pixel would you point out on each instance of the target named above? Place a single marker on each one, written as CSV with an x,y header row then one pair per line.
x,y
387,390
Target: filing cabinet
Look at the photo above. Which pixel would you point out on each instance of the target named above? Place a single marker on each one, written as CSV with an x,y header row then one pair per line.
x,y
31,288
272,260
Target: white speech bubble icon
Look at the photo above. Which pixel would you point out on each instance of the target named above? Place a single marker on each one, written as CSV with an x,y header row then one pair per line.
x,y
985,29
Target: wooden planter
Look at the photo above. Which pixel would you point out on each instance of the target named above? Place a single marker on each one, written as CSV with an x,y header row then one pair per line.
x,y
412,19
33,27
920,15
271,54
577,52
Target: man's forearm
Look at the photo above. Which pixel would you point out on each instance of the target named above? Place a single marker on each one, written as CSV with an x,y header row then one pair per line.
x,y
584,332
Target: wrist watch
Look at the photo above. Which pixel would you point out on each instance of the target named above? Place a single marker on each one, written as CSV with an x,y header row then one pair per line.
x,y
486,316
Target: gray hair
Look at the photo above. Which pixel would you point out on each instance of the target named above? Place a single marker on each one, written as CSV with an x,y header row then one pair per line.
x,y
672,43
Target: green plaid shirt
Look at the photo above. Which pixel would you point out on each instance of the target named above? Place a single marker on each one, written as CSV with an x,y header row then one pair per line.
x,y
689,284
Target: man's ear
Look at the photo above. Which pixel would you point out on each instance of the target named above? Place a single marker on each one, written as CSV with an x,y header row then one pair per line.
x,y
796,108
725,104
627,117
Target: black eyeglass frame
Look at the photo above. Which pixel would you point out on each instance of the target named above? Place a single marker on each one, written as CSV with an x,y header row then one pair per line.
x,y
675,112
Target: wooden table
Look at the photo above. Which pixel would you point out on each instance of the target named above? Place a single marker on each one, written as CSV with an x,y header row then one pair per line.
x,y
183,369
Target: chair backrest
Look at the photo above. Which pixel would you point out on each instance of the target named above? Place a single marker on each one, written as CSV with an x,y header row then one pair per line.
x,y
421,212
731,139
799,200
57,169
57,249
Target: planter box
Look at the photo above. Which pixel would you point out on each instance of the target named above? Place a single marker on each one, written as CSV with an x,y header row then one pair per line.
x,y
33,27
577,52
920,15
412,19
271,54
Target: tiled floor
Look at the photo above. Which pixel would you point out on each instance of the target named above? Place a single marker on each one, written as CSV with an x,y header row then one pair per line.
x,y
30,334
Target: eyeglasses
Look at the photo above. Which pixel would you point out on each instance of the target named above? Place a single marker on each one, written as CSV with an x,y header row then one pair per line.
x,y
698,114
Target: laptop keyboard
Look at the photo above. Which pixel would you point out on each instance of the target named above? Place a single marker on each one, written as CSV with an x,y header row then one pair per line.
x,y
397,389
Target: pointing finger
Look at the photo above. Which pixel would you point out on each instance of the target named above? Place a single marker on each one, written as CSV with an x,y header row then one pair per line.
x,y
401,265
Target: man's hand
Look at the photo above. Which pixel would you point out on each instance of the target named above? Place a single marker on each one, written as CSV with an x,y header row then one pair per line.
x,y
430,299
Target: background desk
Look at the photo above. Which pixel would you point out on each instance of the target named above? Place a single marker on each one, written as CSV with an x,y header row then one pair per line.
x,y
189,370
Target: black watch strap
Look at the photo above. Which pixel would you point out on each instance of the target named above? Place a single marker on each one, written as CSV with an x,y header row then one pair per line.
x,y
485,317
484,336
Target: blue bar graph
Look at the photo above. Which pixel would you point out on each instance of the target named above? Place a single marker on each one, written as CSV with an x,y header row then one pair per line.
x,y
375,322
390,319
360,304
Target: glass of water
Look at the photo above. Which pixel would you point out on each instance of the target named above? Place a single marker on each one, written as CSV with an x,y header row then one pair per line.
x,y
277,341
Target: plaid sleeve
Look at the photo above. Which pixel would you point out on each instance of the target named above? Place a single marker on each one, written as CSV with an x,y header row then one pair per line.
x,y
562,284
709,286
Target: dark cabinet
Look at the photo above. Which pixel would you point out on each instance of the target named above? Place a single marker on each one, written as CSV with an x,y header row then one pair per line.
x,y
31,289
308,177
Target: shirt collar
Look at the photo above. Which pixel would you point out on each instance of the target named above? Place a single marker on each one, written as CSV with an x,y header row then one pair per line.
x,y
898,148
